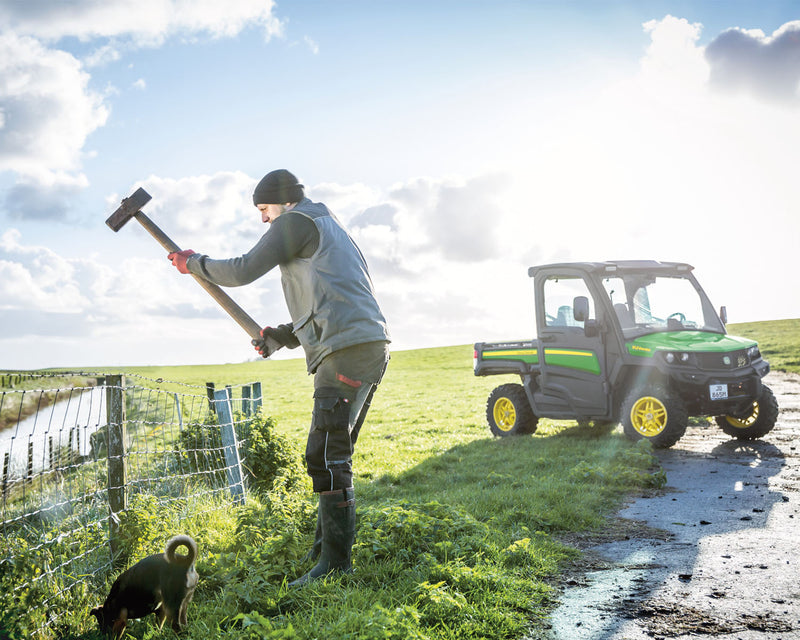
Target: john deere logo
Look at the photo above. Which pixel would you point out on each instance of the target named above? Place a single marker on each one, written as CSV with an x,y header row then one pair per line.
x,y
726,360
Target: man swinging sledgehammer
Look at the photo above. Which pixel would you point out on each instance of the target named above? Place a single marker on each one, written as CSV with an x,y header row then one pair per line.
x,y
337,321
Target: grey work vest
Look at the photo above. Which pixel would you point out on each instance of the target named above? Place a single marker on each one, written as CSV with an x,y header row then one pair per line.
x,y
330,295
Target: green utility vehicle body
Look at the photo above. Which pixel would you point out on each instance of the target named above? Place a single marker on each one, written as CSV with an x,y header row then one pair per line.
x,y
636,342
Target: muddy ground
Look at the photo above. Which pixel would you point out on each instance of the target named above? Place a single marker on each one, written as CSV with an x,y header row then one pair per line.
x,y
714,555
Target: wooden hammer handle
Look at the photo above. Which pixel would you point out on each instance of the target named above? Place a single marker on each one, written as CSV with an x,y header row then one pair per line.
x,y
154,230
223,299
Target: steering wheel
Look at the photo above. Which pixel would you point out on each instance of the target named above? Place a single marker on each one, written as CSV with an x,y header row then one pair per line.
x,y
679,315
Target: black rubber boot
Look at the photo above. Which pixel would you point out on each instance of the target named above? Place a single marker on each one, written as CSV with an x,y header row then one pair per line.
x,y
337,513
316,548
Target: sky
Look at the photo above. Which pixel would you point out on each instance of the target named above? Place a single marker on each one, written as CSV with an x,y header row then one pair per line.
x,y
460,142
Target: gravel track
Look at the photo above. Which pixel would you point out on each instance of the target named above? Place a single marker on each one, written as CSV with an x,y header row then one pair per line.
x,y
713,555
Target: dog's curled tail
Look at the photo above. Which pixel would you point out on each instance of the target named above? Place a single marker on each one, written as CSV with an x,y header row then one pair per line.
x,y
181,541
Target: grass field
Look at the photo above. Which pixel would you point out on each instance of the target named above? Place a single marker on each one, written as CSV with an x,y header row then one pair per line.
x,y
459,534
779,341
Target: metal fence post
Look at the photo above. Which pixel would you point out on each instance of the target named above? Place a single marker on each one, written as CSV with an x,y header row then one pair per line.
x,y
117,472
247,406
256,396
178,411
230,447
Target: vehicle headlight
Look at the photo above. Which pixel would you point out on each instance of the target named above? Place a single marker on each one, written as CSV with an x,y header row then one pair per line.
x,y
753,353
676,357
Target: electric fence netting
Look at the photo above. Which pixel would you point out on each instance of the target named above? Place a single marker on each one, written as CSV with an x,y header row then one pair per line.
x,y
77,449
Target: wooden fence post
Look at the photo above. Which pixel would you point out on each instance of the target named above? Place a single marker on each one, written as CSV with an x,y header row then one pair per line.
x,y
6,463
230,447
29,473
210,394
117,473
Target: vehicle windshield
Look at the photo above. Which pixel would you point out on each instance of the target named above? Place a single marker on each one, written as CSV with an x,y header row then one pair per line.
x,y
646,303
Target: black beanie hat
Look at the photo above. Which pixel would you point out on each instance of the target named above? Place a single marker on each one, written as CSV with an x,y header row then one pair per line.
x,y
278,187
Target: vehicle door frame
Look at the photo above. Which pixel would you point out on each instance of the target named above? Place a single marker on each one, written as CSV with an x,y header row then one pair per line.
x,y
573,379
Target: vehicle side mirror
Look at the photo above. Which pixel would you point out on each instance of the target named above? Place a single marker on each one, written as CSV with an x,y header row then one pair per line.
x,y
580,308
723,314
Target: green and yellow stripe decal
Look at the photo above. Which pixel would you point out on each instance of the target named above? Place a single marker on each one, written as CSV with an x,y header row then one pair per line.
x,y
569,358
530,356
573,359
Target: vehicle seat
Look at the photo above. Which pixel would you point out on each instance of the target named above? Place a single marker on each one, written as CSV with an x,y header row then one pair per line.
x,y
563,317
624,315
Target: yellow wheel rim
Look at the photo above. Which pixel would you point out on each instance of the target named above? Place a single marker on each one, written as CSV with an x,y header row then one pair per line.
x,y
505,415
648,416
743,423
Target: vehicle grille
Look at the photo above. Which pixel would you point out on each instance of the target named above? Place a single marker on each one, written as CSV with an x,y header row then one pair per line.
x,y
726,361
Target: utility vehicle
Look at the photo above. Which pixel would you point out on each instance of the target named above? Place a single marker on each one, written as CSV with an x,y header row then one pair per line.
x,y
636,342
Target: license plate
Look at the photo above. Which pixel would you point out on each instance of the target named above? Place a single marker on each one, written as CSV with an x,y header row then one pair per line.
x,y
718,391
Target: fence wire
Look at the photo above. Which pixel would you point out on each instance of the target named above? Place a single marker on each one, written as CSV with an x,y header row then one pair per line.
x,y
55,511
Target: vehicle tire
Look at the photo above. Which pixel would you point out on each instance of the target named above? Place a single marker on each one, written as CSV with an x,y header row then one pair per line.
x,y
508,411
759,422
654,413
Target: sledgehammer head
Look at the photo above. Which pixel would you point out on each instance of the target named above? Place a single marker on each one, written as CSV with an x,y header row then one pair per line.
x,y
129,207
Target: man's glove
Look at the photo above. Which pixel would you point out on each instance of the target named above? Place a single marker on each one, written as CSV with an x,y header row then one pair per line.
x,y
282,334
179,259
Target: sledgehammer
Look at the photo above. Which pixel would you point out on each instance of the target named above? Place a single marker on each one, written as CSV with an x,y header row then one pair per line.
x,y
131,208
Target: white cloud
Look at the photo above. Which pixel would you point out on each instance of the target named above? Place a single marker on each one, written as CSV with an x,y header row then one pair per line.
x,y
311,44
214,215
673,57
660,166
210,213
48,111
461,222
58,311
36,278
102,56
47,108
346,201
436,256
145,22
750,61
36,201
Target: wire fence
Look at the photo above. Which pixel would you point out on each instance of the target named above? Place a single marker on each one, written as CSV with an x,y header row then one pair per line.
x,y
75,456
